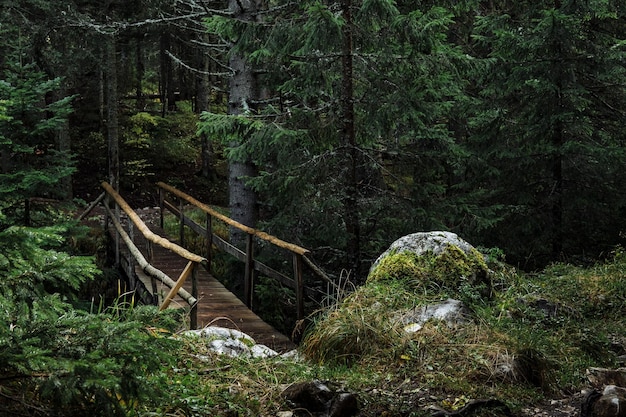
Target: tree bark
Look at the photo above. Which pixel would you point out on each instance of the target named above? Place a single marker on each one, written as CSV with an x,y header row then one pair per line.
x,y
64,144
167,75
202,105
243,92
350,203
140,71
110,66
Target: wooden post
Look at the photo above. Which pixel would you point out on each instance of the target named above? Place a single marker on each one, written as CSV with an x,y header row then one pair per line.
x,y
181,230
117,237
209,240
297,272
153,281
131,259
161,206
193,314
107,218
248,286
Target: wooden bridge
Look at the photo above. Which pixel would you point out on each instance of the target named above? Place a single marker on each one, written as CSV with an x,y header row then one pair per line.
x,y
177,278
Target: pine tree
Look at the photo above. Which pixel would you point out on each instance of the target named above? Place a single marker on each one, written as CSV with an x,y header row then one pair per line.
x,y
30,117
550,133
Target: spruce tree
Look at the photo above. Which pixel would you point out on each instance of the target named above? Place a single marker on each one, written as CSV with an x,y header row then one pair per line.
x,y
31,165
354,144
550,133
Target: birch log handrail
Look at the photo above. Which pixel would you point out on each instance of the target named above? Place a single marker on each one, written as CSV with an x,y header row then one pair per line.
x,y
151,237
148,234
249,230
247,256
145,265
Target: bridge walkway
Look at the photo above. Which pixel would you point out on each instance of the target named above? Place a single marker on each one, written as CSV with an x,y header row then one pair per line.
x,y
217,306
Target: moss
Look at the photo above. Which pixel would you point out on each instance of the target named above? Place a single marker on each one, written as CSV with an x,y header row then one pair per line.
x,y
400,266
447,272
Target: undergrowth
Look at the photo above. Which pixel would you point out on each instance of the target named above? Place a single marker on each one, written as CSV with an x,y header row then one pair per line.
x,y
529,337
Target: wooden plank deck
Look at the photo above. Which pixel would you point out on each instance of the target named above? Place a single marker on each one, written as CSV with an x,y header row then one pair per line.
x,y
216,305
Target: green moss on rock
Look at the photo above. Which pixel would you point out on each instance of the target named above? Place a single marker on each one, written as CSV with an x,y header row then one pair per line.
x,y
450,270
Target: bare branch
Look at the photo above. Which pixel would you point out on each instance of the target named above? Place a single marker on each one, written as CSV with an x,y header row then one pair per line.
x,y
197,71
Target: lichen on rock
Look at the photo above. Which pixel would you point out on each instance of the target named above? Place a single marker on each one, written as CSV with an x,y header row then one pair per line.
x,y
432,260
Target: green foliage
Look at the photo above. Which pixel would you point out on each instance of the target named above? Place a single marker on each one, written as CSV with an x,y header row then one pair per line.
x,y
60,361
32,264
406,80
31,165
548,127
154,144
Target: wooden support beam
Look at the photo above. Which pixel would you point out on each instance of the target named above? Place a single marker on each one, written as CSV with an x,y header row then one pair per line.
x,y
145,266
179,283
297,271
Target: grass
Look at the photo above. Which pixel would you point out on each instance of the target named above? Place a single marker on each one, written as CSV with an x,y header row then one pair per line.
x,y
531,338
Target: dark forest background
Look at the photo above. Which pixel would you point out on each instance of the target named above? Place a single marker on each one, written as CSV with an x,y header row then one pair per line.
x,y
340,125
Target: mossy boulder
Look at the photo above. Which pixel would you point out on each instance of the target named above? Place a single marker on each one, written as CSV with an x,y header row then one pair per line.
x,y
439,261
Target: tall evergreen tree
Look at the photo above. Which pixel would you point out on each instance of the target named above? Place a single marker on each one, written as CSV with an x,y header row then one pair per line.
x,y
31,115
353,88
551,134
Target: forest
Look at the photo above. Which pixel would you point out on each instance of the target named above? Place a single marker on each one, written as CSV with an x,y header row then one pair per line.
x,y
340,125
344,125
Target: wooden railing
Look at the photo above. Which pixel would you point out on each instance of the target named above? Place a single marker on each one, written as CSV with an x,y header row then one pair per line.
x,y
299,258
137,257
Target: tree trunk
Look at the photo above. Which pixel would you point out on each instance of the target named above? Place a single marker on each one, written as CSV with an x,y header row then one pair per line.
x,y
243,92
140,70
110,66
63,143
202,105
167,75
350,203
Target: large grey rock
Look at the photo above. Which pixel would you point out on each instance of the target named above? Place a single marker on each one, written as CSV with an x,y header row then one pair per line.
x,y
450,311
423,242
231,342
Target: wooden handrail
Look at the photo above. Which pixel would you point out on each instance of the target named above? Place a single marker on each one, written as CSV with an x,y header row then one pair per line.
x,y
148,234
247,256
175,286
145,265
251,231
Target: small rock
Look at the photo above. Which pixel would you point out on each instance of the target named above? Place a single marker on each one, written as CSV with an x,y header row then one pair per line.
x,y
316,398
313,396
232,342
600,377
451,311
344,405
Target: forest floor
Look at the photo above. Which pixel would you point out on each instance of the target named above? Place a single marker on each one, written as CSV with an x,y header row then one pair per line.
x,y
142,195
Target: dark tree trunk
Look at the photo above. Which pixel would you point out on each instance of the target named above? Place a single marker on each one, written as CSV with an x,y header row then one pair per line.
x,y
110,67
350,204
202,105
140,70
167,75
243,92
557,194
64,144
